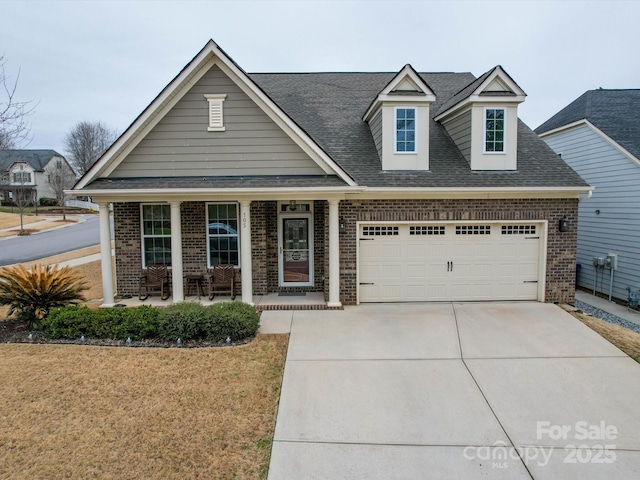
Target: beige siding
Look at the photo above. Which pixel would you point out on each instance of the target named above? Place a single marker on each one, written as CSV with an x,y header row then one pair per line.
x,y
376,130
180,145
460,131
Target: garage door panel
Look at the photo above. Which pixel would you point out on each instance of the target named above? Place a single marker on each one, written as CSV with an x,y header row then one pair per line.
x,y
412,263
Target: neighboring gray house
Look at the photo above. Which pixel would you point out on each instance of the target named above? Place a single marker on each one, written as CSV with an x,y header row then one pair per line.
x,y
27,172
598,135
365,187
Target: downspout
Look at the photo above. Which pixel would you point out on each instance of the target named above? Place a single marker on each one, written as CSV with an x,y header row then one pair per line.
x,y
587,197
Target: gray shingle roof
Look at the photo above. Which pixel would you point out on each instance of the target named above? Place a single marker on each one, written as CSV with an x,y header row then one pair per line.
x,y
304,181
36,158
329,107
465,92
615,112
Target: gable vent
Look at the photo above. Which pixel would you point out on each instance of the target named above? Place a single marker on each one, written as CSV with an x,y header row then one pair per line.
x,y
216,112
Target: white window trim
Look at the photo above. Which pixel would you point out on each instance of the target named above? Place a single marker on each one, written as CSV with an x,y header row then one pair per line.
x,y
207,236
395,130
143,236
216,111
15,181
298,202
504,132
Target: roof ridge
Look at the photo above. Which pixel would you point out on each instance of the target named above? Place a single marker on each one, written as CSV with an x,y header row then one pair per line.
x,y
358,72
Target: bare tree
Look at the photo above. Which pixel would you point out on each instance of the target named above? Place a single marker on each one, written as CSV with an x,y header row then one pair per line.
x,y
14,130
86,142
23,193
60,177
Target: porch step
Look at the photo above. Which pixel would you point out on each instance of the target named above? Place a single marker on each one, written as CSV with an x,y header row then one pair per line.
x,y
261,307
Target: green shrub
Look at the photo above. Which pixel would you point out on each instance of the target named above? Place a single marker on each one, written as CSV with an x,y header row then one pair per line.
x,y
8,203
48,202
116,323
232,319
186,320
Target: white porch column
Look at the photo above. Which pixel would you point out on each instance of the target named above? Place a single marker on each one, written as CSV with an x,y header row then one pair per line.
x,y
176,253
105,256
245,252
334,254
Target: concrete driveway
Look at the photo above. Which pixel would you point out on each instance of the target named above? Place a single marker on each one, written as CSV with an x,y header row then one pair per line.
x,y
471,390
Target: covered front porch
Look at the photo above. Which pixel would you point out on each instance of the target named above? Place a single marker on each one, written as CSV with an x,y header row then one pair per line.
x,y
270,261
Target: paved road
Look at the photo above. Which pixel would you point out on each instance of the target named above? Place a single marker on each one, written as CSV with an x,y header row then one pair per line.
x,y
32,247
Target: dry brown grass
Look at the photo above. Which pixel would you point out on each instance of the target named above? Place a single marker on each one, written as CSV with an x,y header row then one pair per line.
x,y
9,220
127,413
626,340
63,257
33,228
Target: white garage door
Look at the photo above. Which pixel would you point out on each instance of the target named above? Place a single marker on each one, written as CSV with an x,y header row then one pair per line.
x,y
448,262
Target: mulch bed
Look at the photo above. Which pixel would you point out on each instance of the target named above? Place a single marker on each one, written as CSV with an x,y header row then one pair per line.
x,y
13,330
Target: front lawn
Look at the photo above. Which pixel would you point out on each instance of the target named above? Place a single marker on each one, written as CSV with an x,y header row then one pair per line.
x,y
129,413
626,340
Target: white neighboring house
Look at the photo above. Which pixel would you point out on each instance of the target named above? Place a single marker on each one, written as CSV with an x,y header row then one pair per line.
x,y
28,171
598,135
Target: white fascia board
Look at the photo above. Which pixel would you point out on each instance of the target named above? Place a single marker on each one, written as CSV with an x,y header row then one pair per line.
x,y
477,193
425,96
203,194
408,71
504,76
475,100
607,138
568,126
116,153
475,96
396,99
210,55
327,193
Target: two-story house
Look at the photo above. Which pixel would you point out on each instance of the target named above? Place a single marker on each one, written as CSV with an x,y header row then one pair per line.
x,y
598,135
26,173
367,187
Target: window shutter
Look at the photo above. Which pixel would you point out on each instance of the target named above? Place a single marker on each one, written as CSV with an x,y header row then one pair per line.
x,y
216,112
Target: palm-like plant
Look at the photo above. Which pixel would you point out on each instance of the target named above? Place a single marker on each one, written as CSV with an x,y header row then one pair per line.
x,y
31,293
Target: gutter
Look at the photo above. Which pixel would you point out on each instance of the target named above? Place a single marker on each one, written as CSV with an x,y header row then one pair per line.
x,y
587,196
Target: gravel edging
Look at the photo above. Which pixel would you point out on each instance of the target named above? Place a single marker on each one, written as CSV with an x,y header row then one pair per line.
x,y
606,316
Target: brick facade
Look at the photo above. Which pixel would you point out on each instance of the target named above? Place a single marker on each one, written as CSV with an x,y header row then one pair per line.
x,y
264,246
561,247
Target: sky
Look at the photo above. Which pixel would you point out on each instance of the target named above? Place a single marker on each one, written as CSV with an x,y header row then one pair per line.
x,y
106,61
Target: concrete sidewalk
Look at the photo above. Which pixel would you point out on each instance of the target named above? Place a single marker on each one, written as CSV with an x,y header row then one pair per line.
x,y
45,225
609,307
452,391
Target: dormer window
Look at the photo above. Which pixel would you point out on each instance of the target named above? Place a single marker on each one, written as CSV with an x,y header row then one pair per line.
x,y
399,120
405,130
216,112
494,130
482,120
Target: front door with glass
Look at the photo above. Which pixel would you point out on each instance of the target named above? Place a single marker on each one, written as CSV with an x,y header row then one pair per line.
x,y
296,250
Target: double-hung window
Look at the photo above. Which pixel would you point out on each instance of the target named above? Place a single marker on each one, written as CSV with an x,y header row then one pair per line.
x,y
405,130
156,235
494,130
222,234
21,177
